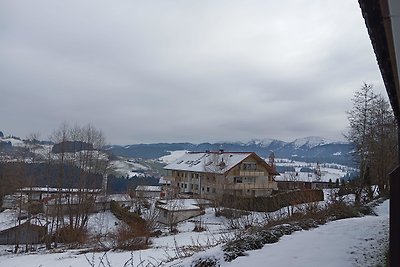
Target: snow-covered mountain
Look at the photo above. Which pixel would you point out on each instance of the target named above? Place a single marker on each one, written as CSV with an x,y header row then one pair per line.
x,y
312,149
310,142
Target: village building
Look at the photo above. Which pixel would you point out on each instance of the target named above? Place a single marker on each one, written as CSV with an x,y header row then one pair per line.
x,y
301,178
63,200
148,191
21,231
174,211
102,203
211,175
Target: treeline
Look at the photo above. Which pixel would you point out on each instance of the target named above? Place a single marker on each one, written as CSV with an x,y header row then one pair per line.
x,y
44,174
15,175
123,185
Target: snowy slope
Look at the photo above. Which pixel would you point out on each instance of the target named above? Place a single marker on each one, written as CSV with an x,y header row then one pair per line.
x,y
347,242
173,156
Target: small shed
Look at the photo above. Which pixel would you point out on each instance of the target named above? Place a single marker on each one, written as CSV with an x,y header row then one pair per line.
x,y
148,191
12,231
25,233
174,211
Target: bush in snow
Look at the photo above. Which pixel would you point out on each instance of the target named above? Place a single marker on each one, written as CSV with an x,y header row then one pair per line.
x,y
205,262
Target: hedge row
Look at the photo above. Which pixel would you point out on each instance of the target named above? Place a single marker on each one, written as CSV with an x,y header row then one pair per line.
x,y
273,202
125,215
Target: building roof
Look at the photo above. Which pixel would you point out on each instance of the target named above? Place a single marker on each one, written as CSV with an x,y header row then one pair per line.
x,y
9,219
58,190
383,25
181,204
151,188
208,162
213,162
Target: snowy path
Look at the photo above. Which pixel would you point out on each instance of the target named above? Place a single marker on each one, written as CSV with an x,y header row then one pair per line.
x,y
349,242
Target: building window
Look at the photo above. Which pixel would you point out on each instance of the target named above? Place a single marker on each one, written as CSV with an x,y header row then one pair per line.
x,y
208,189
238,180
249,166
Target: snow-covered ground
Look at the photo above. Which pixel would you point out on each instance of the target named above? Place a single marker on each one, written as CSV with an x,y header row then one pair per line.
x,y
330,171
348,242
128,168
174,155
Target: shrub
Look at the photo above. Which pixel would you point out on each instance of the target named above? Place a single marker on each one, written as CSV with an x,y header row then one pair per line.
x,y
273,202
134,234
70,235
206,262
129,238
341,210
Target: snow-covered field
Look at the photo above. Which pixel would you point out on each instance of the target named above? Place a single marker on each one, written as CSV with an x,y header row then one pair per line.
x,y
328,171
347,242
128,168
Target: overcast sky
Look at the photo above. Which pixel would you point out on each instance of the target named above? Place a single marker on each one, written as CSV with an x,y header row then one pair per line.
x,y
166,71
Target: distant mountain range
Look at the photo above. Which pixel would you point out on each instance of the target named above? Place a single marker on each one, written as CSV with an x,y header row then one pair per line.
x,y
309,149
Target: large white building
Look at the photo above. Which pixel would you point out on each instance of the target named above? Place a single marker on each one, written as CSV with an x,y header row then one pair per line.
x,y
214,174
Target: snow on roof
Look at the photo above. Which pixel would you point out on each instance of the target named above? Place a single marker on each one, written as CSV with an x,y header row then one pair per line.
x,y
13,141
173,156
9,219
57,190
180,204
152,188
214,162
119,197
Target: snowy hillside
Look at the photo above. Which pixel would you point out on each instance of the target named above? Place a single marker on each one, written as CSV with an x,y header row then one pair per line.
x,y
347,242
303,171
174,155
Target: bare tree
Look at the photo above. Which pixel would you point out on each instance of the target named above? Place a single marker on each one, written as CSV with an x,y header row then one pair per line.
x,y
79,157
382,144
372,131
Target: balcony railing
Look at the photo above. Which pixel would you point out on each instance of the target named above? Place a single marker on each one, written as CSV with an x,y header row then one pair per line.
x,y
252,173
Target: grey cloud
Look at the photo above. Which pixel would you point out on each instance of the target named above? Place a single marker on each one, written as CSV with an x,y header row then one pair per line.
x,y
149,71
